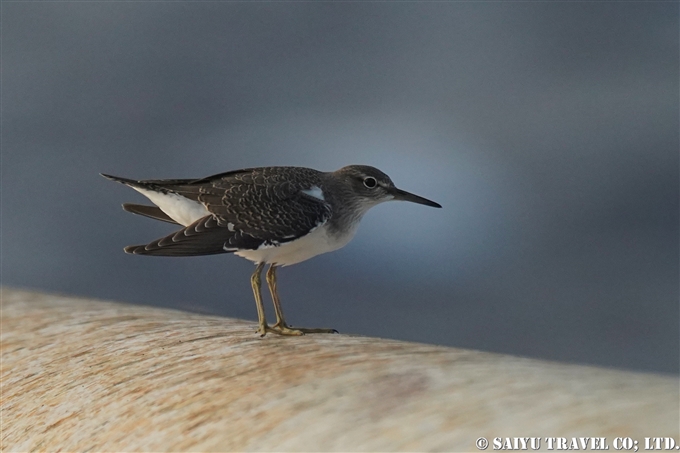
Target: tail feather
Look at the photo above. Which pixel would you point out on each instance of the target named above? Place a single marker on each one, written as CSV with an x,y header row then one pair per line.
x,y
165,183
126,181
202,237
148,211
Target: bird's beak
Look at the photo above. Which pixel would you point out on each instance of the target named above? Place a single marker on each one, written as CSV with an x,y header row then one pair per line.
x,y
402,195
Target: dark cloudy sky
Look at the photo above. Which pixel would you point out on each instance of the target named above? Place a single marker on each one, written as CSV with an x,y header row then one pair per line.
x,y
547,130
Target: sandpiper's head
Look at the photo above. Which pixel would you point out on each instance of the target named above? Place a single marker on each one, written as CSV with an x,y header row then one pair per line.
x,y
373,186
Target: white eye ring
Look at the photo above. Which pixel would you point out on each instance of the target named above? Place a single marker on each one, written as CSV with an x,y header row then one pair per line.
x,y
370,182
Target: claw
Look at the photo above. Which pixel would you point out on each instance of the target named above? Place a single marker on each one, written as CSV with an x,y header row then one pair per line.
x,y
284,329
311,330
307,330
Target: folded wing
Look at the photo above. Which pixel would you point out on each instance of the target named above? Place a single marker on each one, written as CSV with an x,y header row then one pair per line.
x,y
249,210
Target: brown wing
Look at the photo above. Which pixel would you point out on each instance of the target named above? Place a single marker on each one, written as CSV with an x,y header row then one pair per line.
x,y
250,209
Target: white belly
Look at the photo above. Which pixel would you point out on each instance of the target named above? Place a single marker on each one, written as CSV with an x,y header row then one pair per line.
x,y
315,243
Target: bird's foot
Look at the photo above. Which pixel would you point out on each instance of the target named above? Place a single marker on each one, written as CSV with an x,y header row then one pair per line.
x,y
308,330
279,329
282,327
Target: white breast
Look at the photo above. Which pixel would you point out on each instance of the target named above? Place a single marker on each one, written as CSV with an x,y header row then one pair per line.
x,y
315,243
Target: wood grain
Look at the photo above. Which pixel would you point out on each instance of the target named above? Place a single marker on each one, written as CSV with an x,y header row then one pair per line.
x,y
81,375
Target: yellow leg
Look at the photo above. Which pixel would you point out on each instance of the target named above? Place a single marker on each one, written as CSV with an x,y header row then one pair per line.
x,y
281,327
256,283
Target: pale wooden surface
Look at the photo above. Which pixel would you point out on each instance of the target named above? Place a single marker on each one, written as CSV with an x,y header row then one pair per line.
x,y
90,375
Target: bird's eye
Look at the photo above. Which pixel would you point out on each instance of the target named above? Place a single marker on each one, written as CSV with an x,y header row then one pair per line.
x,y
370,182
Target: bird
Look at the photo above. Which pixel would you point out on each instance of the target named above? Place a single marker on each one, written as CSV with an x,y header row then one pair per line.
x,y
275,216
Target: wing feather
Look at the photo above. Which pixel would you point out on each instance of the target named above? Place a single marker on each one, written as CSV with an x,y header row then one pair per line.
x,y
203,237
249,209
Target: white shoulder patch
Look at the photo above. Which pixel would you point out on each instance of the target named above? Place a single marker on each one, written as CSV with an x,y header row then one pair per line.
x,y
316,192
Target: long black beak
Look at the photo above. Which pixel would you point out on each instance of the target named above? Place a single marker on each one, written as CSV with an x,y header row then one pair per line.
x,y
402,195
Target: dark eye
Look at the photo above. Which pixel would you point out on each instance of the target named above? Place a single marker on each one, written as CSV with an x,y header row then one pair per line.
x,y
370,182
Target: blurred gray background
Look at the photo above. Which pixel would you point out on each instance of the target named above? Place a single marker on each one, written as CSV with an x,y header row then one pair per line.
x,y
548,131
